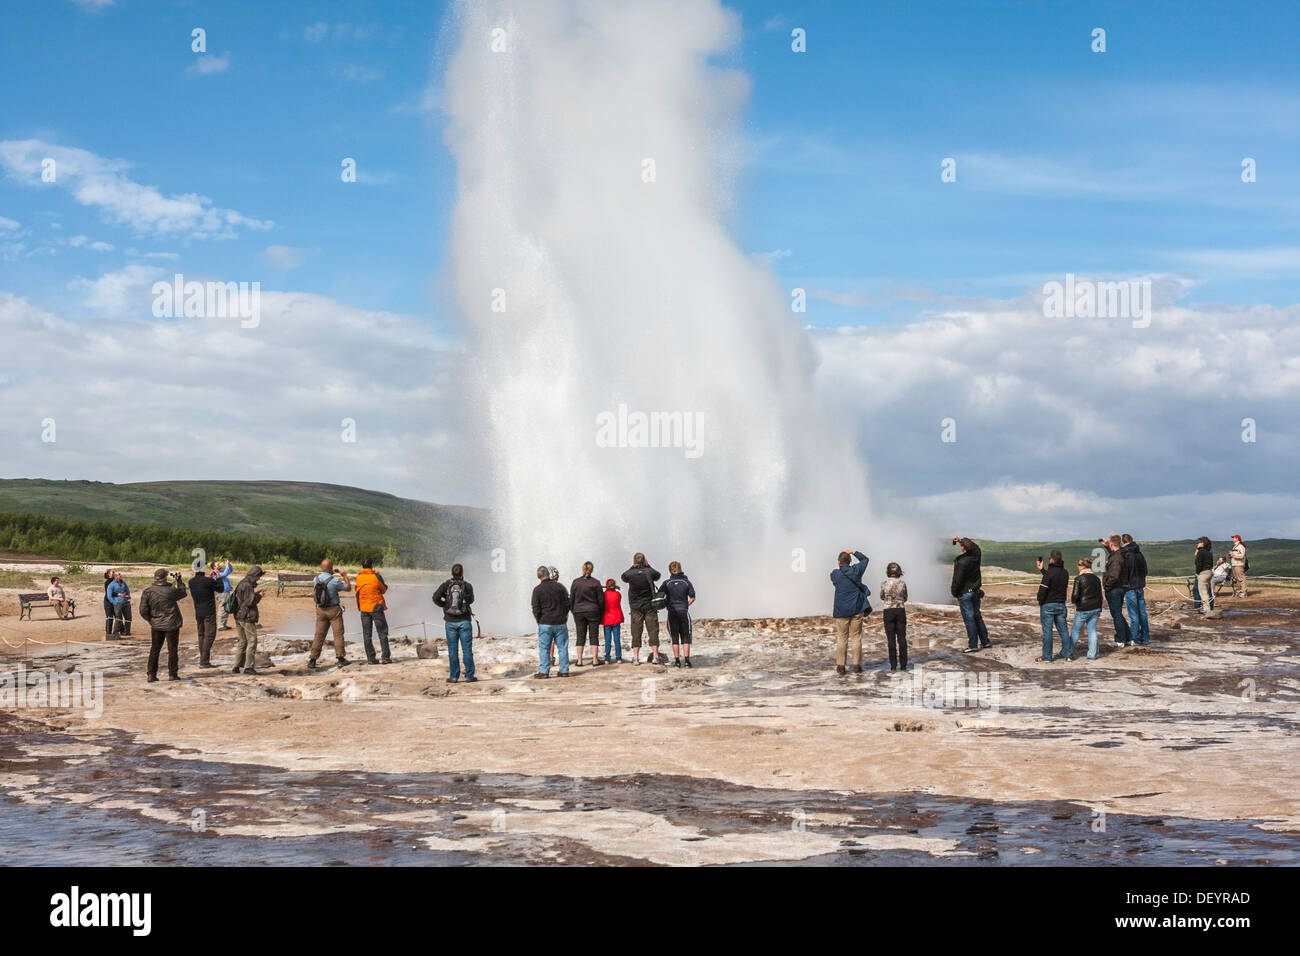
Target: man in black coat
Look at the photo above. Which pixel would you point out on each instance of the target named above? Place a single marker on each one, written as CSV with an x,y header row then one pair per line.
x,y
206,589
640,580
551,612
966,588
1113,580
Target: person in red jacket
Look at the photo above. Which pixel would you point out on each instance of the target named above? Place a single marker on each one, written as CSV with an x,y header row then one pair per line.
x,y
612,619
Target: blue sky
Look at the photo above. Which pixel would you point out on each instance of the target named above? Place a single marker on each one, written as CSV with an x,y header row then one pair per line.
x,y
1067,160
1126,163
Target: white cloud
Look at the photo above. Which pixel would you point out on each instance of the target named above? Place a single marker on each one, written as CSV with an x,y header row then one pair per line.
x,y
115,292
283,257
355,73
205,398
1272,261
103,184
207,64
773,256
1056,419
8,225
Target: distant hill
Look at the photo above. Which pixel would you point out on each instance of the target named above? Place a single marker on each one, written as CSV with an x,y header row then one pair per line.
x,y
1164,558
423,534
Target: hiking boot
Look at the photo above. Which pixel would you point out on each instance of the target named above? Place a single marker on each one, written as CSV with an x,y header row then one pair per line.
x,y
343,662
839,669
540,676
471,680
311,663
857,669
250,670
386,660
451,680
372,660
564,674
173,677
153,679
235,669
206,664
686,662
677,662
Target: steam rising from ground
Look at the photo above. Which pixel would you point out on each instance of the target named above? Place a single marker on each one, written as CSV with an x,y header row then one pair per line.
x,y
618,291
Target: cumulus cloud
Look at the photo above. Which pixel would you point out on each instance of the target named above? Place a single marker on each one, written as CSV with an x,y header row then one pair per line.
x,y
1057,419
103,184
205,398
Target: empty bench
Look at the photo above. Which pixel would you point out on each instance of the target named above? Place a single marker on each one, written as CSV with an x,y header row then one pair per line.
x,y
40,599
284,581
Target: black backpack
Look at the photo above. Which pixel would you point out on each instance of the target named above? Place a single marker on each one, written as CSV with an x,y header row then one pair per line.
x,y
319,593
454,597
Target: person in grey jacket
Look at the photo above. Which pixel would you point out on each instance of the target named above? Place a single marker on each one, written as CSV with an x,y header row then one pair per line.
x,y
160,610
247,597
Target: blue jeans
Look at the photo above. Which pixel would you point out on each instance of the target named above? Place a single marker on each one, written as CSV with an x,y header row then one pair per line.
x,y
1136,602
612,635
1088,618
1115,601
559,633
375,621
1050,615
977,635
460,645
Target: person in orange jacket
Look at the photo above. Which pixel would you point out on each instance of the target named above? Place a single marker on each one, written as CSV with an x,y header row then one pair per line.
x,y
370,588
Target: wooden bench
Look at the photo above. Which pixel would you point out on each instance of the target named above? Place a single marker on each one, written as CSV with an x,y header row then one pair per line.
x,y
284,580
40,599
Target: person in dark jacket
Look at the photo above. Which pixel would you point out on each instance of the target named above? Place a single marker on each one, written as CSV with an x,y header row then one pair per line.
x,y
160,610
1135,570
551,611
206,588
247,597
967,589
456,596
1051,604
587,602
681,595
640,580
1113,580
1203,588
849,608
1086,598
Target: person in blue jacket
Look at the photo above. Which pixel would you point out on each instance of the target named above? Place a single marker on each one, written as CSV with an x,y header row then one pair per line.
x,y
851,607
119,595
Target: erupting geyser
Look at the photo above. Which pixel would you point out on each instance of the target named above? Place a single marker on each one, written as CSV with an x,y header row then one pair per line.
x,y
642,381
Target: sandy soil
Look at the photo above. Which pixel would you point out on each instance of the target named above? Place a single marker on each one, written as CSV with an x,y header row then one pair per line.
x,y
1202,724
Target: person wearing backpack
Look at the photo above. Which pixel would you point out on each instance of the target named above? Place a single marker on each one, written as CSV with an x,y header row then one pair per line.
x,y
612,621
245,599
455,596
851,606
640,580
1237,559
329,612
587,602
370,588
1135,566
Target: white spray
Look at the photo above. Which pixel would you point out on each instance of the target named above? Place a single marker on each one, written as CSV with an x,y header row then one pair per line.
x,y
643,383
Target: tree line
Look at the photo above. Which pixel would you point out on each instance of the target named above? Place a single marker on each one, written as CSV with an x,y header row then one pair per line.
x,y
104,542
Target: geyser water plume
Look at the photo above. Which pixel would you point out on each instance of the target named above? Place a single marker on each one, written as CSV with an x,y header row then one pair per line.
x,y
594,142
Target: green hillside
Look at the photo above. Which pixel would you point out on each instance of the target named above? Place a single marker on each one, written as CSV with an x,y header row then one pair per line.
x,y
423,534
1164,558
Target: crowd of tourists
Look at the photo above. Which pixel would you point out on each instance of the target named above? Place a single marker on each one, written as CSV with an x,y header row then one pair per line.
x,y
596,609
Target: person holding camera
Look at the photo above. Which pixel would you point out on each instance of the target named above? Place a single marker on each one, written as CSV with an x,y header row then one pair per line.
x,y
247,596
849,608
1051,606
967,588
160,609
205,589
640,580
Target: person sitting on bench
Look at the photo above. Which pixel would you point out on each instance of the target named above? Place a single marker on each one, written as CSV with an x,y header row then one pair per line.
x,y
59,600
